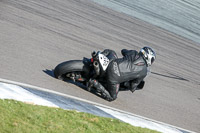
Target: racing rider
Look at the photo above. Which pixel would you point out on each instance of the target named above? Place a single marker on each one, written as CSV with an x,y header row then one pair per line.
x,y
130,70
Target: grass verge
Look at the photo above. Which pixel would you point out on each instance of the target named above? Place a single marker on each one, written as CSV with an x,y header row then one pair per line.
x,y
19,117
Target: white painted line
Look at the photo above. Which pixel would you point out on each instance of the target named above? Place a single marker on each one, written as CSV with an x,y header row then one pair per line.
x,y
93,103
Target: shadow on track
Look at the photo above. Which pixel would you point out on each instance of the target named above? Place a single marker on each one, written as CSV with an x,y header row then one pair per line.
x,y
173,76
49,72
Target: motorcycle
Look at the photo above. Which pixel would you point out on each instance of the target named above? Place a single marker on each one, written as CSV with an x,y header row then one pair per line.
x,y
83,70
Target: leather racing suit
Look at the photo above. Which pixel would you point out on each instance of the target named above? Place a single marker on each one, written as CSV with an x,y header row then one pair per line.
x,y
131,69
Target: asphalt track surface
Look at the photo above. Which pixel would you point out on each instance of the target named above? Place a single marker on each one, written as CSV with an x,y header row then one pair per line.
x,y
36,35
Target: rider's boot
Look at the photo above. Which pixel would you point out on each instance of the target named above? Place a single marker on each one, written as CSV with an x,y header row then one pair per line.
x,y
90,84
100,88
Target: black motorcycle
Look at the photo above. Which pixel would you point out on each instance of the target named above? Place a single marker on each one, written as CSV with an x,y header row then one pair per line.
x,y
88,68
83,70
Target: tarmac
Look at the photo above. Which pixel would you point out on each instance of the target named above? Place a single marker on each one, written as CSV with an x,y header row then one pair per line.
x,y
37,35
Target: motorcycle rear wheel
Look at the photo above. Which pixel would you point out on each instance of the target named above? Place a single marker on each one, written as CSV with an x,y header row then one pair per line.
x,y
62,69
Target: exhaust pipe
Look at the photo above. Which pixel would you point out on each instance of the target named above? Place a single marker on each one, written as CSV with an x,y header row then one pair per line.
x,y
96,67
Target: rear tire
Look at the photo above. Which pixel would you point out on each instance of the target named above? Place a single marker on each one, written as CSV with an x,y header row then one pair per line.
x,y
62,69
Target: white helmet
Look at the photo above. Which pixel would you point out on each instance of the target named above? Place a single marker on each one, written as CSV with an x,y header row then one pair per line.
x,y
149,55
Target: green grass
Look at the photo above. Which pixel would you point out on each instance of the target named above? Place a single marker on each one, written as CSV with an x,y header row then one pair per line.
x,y
18,117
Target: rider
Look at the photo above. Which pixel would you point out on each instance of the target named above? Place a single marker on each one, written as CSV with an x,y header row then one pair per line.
x,y
131,69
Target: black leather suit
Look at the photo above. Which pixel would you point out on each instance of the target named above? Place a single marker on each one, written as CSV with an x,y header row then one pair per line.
x,y
132,67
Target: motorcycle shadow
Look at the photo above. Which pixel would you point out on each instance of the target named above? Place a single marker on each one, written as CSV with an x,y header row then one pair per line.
x,y
49,72
81,85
